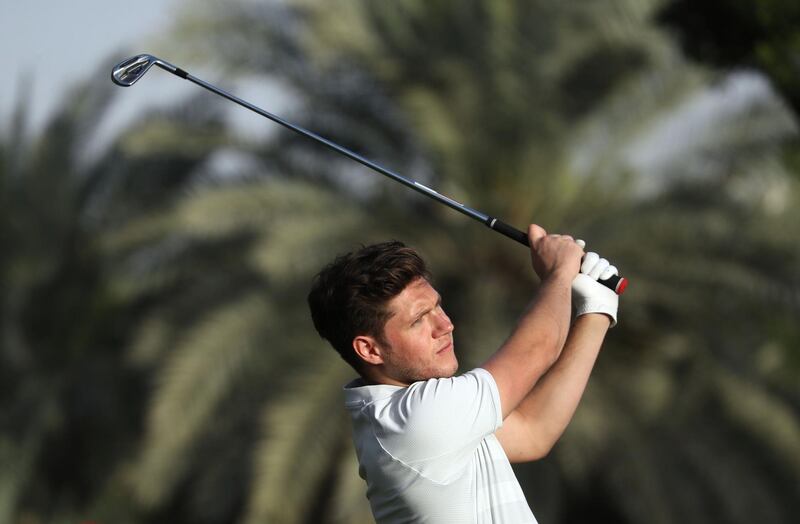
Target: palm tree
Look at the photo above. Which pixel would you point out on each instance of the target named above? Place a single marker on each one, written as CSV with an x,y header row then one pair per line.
x,y
765,37
227,339
71,400
500,105
48,267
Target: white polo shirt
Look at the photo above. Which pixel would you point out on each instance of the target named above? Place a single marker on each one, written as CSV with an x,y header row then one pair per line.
x,y
429,454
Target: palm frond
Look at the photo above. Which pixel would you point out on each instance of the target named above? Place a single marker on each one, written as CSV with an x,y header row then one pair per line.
x,y
198,373
302,431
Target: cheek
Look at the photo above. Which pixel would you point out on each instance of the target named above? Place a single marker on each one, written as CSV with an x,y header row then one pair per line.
x,y
413,346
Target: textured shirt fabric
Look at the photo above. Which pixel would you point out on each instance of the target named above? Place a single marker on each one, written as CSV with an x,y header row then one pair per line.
x,y
428,452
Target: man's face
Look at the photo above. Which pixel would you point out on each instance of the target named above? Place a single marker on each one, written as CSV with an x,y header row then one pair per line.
x,y
419,336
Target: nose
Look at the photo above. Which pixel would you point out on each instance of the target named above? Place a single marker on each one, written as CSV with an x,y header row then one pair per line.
x,y
443,325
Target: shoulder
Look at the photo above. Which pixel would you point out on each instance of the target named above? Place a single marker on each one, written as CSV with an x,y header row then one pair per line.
x,y
461,390
435,426
443,408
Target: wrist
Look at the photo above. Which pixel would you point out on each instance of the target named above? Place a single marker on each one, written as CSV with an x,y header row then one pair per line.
x,y
596,319
560,277
602,310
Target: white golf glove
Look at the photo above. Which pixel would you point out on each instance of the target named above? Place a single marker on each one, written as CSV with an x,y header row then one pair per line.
x,y
588,296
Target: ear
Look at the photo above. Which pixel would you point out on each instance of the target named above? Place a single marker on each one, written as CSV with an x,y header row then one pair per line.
x,y
368,350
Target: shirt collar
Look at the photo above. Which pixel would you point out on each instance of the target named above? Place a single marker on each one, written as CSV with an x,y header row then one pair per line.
x,y
357,393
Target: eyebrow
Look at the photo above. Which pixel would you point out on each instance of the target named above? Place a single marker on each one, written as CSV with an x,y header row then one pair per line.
x,y
425,311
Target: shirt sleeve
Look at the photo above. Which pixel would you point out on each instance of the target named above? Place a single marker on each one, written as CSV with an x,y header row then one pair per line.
x,y
438,424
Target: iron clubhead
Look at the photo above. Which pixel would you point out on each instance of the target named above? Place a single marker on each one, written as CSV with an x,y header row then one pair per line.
x,y
130,70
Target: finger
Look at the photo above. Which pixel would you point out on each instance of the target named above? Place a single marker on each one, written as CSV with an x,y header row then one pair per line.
x,y
598,268
536,233
581,243
609,272
557,236
589,260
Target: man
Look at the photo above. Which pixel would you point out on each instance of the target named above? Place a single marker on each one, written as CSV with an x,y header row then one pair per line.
x,y
436,447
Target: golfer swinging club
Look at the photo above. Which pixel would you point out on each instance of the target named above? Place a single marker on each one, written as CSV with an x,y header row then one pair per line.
x,y
434,446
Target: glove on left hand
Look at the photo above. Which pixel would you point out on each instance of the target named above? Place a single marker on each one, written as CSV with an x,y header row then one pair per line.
x,y
588,296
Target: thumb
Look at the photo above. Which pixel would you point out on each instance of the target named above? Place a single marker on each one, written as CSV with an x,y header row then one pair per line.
x,y
535,233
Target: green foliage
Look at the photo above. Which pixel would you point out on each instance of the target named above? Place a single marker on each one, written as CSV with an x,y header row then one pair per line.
x,y
158,362
499,101
71,404
764,34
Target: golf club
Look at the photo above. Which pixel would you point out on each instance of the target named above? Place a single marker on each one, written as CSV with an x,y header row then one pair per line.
x,y
129,71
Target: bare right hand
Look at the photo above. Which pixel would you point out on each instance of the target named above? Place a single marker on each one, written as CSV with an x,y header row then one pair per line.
x,y
554,255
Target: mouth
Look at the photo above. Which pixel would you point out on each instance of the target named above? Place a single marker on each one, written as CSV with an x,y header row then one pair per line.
x,y
447,347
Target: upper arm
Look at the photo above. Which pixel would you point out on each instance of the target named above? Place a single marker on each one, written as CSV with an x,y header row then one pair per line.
x,y
518,365
519,443
534,345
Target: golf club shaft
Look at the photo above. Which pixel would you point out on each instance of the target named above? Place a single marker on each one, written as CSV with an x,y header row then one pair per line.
x,y
616,283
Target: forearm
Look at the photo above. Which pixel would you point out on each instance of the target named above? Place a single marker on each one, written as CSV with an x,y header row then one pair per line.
x,y
534,345
548,408
547,317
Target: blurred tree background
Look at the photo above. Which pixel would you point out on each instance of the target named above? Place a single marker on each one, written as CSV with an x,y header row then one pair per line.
x,y
157,362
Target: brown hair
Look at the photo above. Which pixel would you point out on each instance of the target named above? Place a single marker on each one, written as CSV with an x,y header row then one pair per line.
x,y
348,297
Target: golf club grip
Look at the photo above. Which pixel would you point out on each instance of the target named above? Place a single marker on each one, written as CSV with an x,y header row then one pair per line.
x,y
615,283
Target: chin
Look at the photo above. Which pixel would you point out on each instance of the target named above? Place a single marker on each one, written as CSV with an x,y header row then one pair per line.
x,y
450,371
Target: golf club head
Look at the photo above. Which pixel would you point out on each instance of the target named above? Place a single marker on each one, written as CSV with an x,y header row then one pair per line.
x,y
130,70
